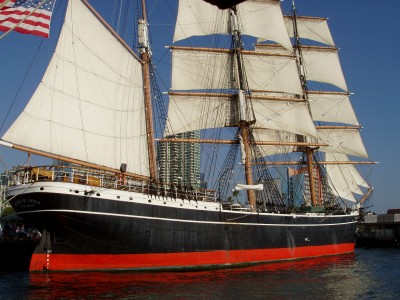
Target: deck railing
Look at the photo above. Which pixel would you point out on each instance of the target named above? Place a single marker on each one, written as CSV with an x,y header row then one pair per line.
x,y
101,179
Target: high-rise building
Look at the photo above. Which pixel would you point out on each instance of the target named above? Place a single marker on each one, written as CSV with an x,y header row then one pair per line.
x,y
3,185
179,163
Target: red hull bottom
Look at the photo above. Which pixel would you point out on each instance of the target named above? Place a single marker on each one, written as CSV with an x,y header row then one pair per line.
x,y
90,262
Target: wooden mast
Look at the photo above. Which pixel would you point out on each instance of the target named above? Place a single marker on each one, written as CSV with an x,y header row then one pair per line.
x,y
244,115
145,55
307,150
146,81
366,196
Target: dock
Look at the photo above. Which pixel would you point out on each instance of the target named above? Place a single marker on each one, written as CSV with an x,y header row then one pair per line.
x,y
379,230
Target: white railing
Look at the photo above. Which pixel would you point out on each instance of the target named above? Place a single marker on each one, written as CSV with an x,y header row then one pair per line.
x,y
103,179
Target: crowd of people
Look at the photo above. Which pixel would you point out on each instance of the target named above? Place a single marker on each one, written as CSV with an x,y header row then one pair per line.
x,y
18,231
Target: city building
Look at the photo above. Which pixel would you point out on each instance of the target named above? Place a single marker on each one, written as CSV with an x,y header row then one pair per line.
x,y
179,163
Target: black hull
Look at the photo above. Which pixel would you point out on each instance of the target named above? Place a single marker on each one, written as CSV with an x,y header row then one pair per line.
x,y
127,231
15,256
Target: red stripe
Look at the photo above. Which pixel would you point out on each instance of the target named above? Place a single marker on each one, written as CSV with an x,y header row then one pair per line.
x,y
26,31
35,19
27,21
65,262
37,13
11,3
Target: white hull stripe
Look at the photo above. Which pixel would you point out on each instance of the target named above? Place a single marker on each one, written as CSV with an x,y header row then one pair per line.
x,y
143,199
184,221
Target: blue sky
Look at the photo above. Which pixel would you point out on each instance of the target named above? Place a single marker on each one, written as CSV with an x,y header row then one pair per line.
x,y
365,31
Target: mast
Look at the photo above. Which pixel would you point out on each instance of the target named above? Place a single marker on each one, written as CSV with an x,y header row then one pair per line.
x,y
250,93
309,154
307,150
245,118
88,112
145,55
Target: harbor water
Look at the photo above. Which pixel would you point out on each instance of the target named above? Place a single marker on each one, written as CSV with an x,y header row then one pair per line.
x,y
367,274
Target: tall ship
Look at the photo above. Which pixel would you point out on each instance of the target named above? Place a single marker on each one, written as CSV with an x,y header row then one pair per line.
x,y
243,162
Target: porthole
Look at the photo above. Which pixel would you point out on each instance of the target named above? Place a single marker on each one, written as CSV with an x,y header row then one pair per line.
x,y
76,192
118,197
149,201
98,195
42,188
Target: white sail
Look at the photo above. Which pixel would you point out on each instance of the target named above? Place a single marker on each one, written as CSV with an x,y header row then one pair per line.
x,y
345,140
339,185
89,104
211,69
344,179
311,28
262,134
357,178
189,112
258,18
289,116
332,107
322,64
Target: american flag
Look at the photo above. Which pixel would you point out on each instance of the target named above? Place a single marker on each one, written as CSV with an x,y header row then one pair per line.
x,y
26,16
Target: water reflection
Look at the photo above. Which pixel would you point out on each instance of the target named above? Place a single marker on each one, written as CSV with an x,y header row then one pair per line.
x,y
297,279
368,274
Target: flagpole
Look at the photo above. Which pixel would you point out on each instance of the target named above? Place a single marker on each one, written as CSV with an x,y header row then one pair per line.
x,y
19,23
4,3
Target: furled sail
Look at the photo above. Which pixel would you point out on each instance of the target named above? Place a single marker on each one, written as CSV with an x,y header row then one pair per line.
x,y
259,18
255,187
89,104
